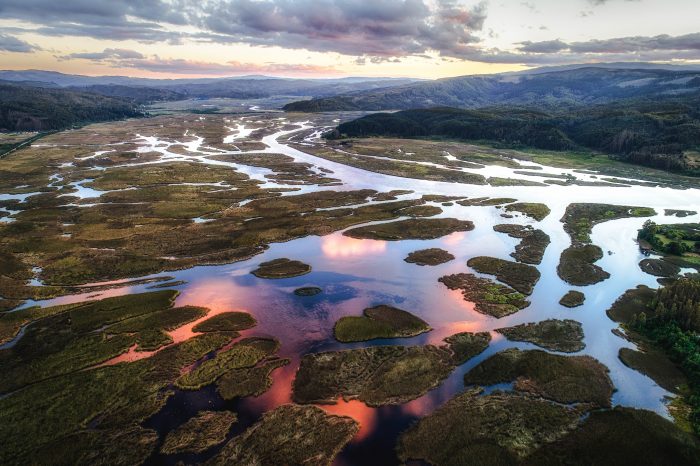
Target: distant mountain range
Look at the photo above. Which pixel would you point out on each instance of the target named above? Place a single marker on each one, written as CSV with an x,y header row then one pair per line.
x,y
43,100
244,87
540,88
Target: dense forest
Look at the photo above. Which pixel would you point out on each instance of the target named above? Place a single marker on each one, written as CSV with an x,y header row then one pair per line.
x,y
29,108
661,133
673,323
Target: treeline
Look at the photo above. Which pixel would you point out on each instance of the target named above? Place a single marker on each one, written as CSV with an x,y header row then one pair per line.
x,y
655,133
673,324
677,239
28,108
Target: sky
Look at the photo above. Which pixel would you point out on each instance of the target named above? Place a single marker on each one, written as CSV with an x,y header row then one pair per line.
x,y
335,38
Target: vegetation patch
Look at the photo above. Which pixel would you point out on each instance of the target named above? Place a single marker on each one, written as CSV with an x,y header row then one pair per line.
x,y
203,431
534,242
243,354
499,428
621,436
419,228
432,256
533,210
281,268
377,375
226,322
659,267
489,297
379,322
248,381
43,422
576,265
655,364
521,277
628,307
486,201
680,242
381,375
579,219
564,379
552,334
572,298
679,213
308,291
63,339
289,434
466,345
421,211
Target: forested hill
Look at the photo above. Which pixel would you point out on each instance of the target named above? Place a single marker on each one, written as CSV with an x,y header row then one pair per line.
x,y
554,89
661,133
30,108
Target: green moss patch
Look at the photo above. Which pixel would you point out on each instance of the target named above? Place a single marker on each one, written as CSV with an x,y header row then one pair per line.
x,y
564,379
419,228
489,297
226,322
495,429
556,335
533,210
572,298
432,256
289,434
281,268
379,322
521,277
576,265
203,431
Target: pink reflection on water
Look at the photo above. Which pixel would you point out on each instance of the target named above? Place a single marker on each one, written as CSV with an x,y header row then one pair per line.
x,y
455,238
363,414
339,246
206,294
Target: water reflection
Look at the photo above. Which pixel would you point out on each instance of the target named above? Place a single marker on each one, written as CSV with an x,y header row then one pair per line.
x,y
339,246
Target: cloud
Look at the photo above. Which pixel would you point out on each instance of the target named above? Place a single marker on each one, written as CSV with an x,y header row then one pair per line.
x,y
356,27
12,44
122,58
106,54
378,28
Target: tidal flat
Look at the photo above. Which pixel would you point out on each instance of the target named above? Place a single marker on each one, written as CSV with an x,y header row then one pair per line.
x,y
161,278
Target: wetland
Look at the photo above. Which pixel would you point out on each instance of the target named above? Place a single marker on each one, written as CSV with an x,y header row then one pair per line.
x,y
233,288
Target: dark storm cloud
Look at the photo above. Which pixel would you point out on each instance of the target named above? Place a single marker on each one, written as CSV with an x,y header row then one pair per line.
x,y
12,44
